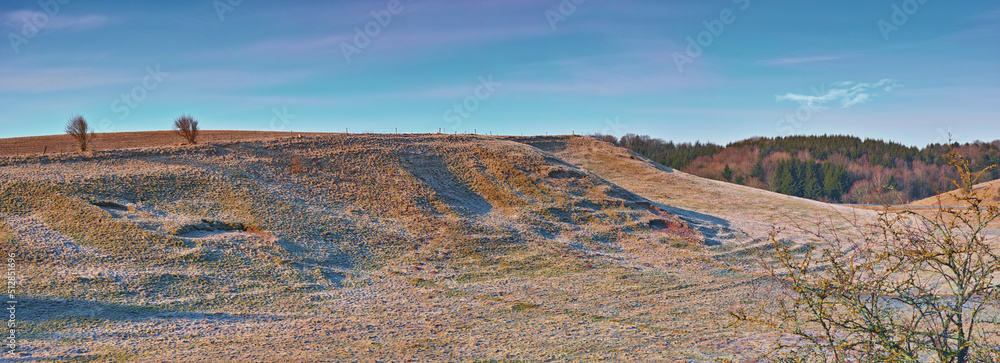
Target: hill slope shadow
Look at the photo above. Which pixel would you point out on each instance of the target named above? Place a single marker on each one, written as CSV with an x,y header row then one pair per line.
x,y
434,172
40,310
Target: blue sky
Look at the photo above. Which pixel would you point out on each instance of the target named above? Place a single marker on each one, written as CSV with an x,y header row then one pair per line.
x,y
757,68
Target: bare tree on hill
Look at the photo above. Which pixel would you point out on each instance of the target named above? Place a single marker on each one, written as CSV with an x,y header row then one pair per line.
x,y
187,127
78,129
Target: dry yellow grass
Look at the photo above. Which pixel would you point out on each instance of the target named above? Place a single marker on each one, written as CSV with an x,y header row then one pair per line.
x,y
381,248
990,192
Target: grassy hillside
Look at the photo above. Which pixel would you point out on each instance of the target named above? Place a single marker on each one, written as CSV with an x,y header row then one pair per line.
x,y
382,247
990,191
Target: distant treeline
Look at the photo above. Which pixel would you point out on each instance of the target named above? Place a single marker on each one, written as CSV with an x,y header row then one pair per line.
x,y
841,169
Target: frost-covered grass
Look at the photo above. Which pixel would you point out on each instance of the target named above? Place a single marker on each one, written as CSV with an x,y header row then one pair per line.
x,y
392,245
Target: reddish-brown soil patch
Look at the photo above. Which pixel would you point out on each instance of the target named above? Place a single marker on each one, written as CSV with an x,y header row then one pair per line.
x,y
54,144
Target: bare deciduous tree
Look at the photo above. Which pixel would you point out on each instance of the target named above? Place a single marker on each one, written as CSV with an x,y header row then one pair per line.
x,y
78,129
904,288
187,127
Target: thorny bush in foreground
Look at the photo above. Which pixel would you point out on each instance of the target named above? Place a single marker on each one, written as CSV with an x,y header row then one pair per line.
x,y
904,288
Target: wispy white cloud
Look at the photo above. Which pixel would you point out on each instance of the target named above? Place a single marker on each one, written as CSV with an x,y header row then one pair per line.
x,y
401,40
989,15
56,79
674,111
82,78
225,79
799,60
78,22
17,20
296,47
636,72
847,94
